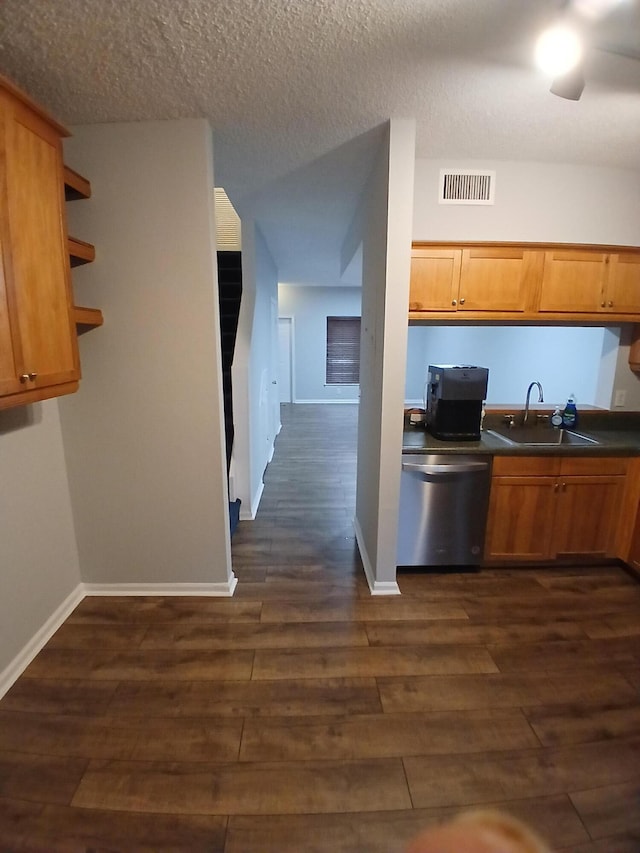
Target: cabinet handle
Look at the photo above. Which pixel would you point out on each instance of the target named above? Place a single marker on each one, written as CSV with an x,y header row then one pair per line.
x,y
556,487
610,303
454,301
564,487
32,376
462,301
602,304
24,377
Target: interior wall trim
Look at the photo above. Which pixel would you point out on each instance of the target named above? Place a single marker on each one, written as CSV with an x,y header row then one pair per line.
x,y
250,514
223,589
21,661
375,587
353,401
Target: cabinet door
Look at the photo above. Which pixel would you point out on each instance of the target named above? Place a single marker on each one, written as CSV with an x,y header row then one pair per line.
x,y
633,557
493,279
521,514
573,282
586,515
9,382
435,277
37,273
623,284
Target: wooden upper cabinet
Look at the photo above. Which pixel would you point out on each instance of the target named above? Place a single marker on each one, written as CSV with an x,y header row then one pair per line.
x,y
623,283
591,282
475,279
573,281
39,345
435,278
494,278
532,282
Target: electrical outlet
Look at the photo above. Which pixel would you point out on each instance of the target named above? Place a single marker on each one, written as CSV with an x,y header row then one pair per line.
x,y
619,399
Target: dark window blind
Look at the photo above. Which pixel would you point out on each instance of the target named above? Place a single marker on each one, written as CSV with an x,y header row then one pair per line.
x,y
343,350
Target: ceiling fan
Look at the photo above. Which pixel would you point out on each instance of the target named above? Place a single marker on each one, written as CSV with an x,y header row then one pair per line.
x,y
561,48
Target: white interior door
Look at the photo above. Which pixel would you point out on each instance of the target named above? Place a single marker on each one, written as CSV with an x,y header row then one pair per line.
x,y
285,337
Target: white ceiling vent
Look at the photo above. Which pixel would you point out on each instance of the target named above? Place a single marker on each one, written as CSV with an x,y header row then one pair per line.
x,y
466,186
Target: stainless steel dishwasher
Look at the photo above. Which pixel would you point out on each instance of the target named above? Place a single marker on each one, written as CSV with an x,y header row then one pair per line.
x,y
444,499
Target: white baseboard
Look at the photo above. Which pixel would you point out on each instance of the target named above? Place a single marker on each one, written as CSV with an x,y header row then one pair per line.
x,y
250,514
354,402
375,587
21,661
224,589
14,670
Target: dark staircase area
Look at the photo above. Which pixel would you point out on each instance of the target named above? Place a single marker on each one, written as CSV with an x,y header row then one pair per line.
x,y
229,295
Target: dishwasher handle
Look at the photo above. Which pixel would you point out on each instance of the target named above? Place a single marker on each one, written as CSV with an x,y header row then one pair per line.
x,y
446,468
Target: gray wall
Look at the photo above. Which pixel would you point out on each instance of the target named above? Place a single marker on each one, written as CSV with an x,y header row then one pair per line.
x,y
309,307
144,437
534,202
39,566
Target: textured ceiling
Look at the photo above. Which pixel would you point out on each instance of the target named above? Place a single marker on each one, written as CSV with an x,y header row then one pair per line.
x,y
287,84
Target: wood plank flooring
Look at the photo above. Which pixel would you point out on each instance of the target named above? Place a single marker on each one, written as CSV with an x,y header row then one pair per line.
x,y
305,715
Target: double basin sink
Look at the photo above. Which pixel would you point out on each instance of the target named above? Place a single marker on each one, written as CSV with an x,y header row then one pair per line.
x,y
540,436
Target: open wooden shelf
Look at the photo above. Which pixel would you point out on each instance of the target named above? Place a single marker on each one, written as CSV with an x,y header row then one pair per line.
x,y
80,252
87,318
75,186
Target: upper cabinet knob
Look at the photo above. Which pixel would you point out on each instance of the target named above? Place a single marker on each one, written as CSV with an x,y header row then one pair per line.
x,y
454,301
462,301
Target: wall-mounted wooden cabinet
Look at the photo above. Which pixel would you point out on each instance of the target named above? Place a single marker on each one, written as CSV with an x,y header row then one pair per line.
x,y
524,282
542,508
38,341
39,354
491,279
590,282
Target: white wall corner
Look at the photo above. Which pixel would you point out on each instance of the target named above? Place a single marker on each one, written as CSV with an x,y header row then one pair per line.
x,y
251,510
375,587
21,661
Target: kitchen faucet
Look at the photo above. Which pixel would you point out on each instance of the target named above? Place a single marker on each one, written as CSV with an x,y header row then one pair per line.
x,y
526,402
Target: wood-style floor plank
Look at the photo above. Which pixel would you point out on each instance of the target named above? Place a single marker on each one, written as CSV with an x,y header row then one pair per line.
x,y
367,662
610,810
303,714
386,735
143,665
309,697
141,738
455,780
250,788
61,829
460,692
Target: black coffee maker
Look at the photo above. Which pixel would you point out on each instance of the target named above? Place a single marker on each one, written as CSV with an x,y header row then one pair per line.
x,y
454,397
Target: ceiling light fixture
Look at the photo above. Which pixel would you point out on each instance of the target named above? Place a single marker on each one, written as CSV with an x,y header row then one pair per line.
x,y
558,50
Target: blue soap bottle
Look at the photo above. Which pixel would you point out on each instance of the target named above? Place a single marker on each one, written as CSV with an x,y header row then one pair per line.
x,y
570,414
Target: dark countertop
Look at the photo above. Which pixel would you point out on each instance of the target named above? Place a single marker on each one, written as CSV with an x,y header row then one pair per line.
x,y
617,434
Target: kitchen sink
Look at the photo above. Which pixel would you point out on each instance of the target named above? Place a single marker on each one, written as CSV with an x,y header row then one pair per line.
x,y
540,436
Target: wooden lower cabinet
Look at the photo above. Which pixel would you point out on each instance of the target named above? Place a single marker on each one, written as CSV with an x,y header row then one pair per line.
x,y
544,508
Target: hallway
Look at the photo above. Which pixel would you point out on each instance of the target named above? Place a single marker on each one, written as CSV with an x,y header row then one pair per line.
x,y
303,531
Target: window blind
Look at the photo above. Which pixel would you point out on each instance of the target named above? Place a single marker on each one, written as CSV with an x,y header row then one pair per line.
x,y
343,350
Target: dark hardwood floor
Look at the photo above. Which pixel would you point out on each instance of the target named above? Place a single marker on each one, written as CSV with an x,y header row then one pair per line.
x,y
305,715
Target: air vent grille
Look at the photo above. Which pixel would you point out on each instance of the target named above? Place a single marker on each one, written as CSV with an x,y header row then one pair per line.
x,y
466,186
